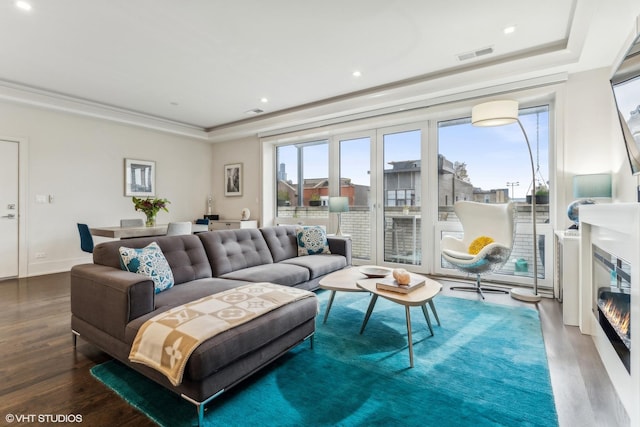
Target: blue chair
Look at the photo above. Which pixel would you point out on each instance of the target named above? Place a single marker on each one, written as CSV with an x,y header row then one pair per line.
x,y
86,241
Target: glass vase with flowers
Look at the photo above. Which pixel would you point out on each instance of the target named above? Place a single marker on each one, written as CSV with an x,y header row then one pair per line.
x,y
150,207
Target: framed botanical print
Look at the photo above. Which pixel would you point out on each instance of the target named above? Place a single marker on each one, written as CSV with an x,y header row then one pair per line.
x,y
233,179
139,178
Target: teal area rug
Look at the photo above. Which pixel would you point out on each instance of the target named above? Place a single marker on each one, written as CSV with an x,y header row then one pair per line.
x,y
485,366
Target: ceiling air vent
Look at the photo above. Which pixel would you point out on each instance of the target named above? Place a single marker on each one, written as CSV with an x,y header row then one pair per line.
x,y
255,111
475,53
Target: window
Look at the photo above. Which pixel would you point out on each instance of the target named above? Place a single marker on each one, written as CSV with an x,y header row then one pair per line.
x,y
492,164
302,179
401,197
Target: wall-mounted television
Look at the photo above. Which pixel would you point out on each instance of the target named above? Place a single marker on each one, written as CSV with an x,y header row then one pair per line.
x,y
626,91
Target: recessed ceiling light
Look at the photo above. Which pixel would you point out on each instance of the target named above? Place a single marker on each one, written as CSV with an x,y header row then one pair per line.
x,y
264,100
509,29
356,73
23,5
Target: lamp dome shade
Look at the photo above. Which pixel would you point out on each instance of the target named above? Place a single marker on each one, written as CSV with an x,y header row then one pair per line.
x,y
495,113
592,185
338,204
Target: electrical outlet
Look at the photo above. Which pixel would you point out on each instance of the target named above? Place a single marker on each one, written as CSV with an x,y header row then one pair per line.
x,y
40,255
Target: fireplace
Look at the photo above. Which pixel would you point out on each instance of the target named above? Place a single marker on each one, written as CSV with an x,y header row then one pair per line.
x,y
610,294
612,305
614,316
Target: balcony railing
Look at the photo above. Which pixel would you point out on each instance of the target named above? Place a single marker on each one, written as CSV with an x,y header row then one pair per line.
x,y
403,245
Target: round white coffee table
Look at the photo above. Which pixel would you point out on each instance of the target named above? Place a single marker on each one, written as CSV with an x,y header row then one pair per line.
x,y
417,297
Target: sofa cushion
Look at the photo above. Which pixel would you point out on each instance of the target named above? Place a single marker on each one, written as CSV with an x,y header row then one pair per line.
x,y
280,273
196,289
312,240
185,255
148,261
231,250
319,265
282,241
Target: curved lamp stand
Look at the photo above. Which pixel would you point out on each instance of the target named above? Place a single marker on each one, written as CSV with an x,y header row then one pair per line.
x,y
499,113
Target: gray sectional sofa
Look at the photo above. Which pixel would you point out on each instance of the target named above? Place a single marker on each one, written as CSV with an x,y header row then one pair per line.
x,y
109,305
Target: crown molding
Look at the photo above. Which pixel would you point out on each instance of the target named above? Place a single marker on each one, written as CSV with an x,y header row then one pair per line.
x,y
20,94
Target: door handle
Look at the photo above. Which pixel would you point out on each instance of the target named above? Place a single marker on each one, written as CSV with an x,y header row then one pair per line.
x,y
10,216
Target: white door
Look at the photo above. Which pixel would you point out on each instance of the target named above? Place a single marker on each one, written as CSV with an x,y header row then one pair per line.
x,y
8,209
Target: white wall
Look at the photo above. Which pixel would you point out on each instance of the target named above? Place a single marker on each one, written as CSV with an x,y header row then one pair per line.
x,y
247,152
592,138
80,162
592,135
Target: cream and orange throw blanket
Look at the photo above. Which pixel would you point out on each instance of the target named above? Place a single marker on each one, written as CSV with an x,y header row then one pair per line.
x,y
166,341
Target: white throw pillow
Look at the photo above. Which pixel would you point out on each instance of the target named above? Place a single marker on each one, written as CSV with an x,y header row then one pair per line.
x,y
148,261
312,240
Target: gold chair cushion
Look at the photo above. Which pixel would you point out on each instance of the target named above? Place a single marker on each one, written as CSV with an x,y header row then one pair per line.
x,y
479,243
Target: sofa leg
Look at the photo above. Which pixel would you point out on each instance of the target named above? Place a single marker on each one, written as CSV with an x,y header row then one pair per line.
x,y
200,405
75,337
310,338
200,409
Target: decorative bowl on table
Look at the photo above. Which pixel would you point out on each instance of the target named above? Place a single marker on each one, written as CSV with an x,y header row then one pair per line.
x,y
375,272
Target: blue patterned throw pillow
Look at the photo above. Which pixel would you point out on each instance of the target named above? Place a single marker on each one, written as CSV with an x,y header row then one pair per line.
x,y
148,261
312,240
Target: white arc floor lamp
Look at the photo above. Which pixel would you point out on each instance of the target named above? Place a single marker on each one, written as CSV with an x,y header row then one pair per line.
x,y
500,113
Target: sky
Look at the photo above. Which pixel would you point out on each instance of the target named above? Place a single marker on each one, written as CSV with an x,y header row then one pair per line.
x,y
494,156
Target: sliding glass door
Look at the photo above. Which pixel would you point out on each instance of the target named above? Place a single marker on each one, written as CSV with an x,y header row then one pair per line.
x,y
381,174
356,184
402,181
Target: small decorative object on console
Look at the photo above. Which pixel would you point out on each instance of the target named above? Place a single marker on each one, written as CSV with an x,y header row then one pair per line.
x,y
246,213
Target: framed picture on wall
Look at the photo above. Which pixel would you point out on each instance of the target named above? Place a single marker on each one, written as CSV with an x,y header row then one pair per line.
x,y
139,178
233,179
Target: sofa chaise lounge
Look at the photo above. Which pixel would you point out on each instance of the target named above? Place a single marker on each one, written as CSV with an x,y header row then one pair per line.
x,y
109,304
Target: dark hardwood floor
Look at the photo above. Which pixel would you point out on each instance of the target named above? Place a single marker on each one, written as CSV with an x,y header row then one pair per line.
x,y
41,372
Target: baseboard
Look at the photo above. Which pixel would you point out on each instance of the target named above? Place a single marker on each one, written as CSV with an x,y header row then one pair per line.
x,y
57,266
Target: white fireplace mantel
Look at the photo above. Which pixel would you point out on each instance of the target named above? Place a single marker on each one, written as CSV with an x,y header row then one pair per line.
x,y
615,228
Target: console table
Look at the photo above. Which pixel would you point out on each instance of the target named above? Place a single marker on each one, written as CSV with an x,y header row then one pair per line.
x,y
232,224
567,250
